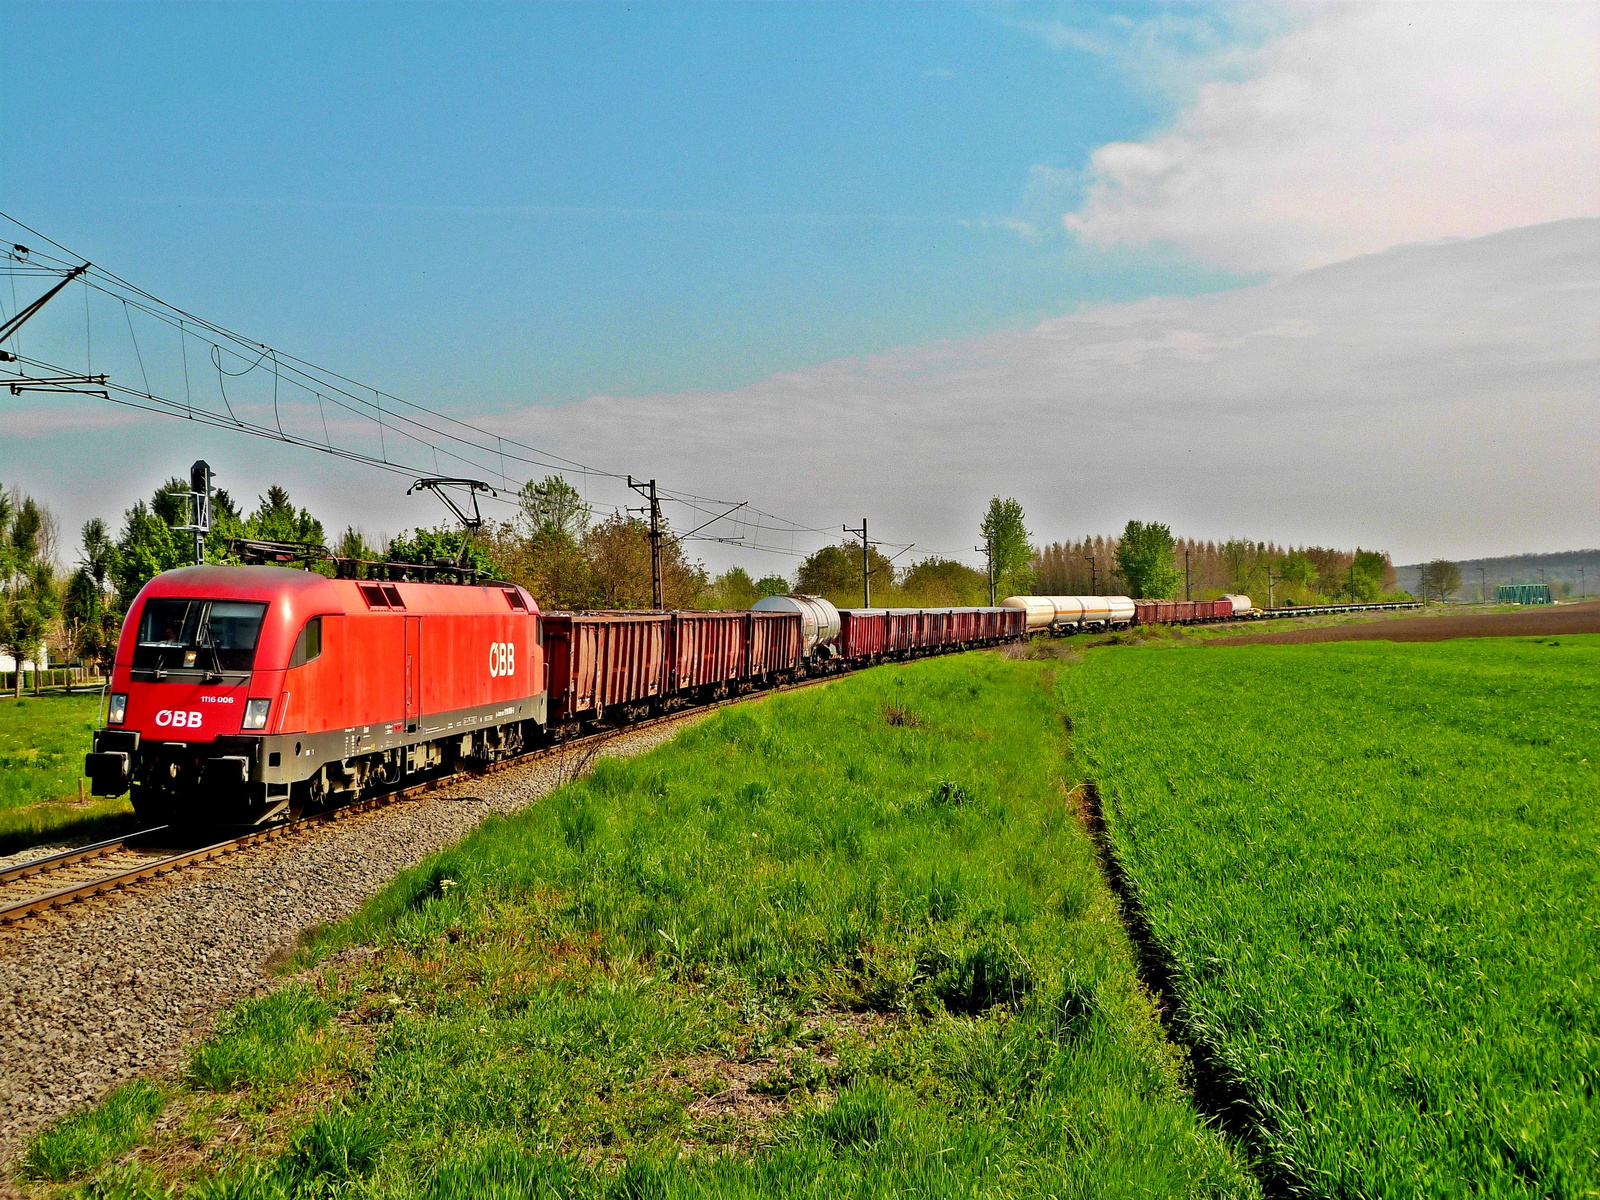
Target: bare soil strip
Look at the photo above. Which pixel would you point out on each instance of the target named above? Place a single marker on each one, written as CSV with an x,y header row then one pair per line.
x,y
1543,621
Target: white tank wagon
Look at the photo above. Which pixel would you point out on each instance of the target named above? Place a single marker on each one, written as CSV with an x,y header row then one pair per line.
x,y
819,619
1067,614
1041,612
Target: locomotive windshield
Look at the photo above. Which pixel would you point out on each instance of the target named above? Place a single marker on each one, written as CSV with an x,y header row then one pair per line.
x,y
211,636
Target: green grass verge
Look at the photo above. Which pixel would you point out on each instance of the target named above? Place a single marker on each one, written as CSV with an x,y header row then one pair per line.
x,y
1374,868
850,941
84,1141
42,743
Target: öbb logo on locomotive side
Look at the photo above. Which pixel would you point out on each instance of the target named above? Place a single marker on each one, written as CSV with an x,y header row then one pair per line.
x,y
179,718
502,659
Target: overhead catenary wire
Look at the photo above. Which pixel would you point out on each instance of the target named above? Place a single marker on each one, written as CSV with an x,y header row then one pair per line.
x,y
439,435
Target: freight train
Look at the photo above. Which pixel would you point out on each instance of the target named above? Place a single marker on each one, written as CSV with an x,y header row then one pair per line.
x,y
1065,615
242,694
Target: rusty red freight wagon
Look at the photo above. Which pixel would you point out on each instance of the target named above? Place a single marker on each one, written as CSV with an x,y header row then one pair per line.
x,y
239,690
712,649
777,645
863,632
601,662
604,660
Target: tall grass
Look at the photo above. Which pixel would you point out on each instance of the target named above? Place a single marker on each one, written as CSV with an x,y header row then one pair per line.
x,y
1374,869
804,950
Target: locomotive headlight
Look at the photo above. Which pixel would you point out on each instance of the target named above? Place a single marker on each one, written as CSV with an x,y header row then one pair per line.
x,y
255,714
118,712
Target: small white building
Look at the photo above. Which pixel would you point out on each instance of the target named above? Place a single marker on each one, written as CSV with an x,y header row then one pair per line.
x,y
9,664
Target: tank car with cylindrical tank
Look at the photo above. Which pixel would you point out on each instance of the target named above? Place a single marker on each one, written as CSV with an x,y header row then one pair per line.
x,y
819,619
1067,614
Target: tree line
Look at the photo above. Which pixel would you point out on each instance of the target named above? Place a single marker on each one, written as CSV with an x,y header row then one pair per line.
x,y
569,557
1147,561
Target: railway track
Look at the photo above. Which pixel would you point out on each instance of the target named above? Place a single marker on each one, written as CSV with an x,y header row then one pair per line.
x,y
56,881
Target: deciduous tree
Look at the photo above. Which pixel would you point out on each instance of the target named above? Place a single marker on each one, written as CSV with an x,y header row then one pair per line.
x,y
772,585
427,547
1005,533
1441,578
89,607
1144,557
834,572
277,520
28,601
943,582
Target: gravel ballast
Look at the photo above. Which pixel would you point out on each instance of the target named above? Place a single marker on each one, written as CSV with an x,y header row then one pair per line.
x,y
116,987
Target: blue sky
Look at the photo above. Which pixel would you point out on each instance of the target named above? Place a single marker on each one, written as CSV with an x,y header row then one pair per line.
x,y
544,201
748,249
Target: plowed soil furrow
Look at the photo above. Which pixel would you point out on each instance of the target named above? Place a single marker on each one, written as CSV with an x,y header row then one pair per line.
x,y
1544,621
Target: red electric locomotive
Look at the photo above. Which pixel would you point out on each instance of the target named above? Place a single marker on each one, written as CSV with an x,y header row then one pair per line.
x,y
240,692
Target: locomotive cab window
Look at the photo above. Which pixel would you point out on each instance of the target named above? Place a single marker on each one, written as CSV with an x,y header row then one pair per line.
x,y
209,636
309,644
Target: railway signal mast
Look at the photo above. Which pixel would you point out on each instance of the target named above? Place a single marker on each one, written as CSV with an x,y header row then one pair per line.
x,y
199,509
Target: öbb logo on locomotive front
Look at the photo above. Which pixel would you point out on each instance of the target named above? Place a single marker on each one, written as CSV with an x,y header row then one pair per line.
x,y
179,718
502,659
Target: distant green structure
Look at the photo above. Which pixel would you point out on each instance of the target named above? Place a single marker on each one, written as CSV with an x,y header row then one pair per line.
x,y
1522,593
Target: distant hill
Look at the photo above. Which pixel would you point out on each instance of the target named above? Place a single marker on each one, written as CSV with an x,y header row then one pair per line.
x,y
1570,573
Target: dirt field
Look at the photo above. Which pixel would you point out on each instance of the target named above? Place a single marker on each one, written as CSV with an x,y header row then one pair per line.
x,y
1529,622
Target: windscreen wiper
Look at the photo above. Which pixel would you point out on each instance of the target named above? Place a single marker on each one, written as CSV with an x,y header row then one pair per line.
x,y
215,675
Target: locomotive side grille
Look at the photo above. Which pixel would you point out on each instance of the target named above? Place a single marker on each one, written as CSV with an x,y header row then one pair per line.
x,y
383,597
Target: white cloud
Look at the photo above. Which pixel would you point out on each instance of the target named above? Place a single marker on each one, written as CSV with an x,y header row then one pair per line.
x,y
59,419
1358,128
1434,399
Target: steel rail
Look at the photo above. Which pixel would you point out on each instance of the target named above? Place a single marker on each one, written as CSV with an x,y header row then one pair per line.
x,y
78,854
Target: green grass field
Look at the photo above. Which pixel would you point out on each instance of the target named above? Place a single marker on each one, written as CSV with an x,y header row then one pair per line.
x,y
1374,869
849,941
42,743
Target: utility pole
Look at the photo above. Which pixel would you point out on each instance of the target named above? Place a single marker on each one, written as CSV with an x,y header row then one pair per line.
x,y
648,491
1269,586
1094,588
987,549
199,509
866,566
1186,595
